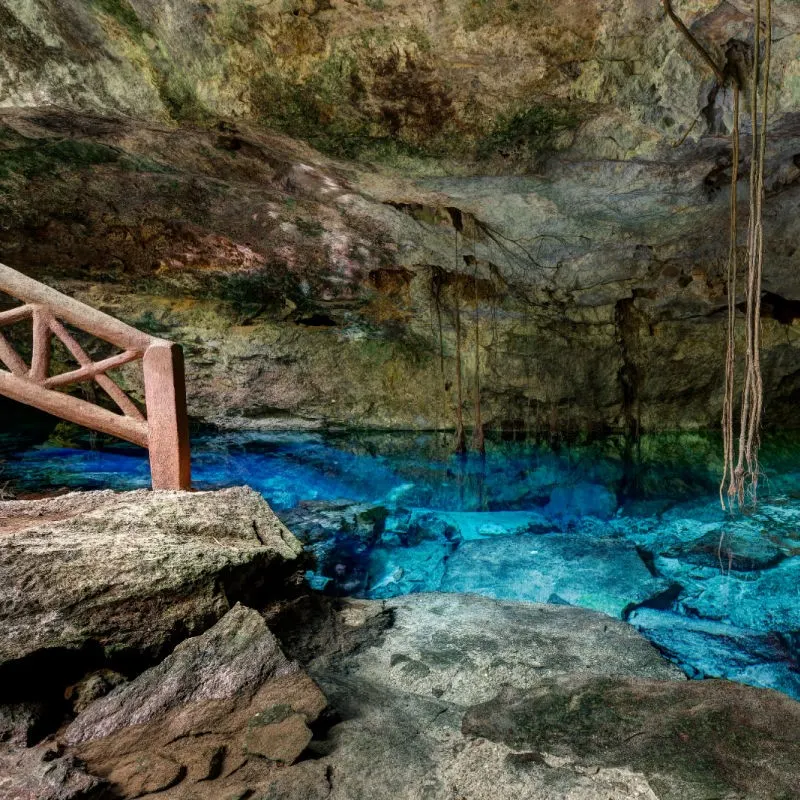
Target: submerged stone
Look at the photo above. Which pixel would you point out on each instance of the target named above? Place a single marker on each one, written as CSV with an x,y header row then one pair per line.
x,y
603,575
707,649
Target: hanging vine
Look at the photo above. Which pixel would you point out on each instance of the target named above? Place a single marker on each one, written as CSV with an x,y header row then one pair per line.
x,y
460,446
478,439
741,469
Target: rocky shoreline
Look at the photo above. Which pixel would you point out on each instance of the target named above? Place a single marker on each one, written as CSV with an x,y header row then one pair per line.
x,y
163,644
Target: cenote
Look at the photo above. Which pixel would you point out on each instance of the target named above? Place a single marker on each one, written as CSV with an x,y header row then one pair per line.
x,y
635,532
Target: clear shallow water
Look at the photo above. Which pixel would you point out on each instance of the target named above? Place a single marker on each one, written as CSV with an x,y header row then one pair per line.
x,y
635,534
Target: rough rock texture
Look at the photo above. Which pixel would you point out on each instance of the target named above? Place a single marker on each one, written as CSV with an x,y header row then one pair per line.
x,y
44,773
431,697
518,164
98,575
477,699
216,718
458,648
696,739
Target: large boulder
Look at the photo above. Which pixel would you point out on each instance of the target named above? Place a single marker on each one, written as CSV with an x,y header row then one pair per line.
x,y
99,576
691,740
216,718
468,697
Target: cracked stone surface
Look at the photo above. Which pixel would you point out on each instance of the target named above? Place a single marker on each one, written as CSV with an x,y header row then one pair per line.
x,y
292,220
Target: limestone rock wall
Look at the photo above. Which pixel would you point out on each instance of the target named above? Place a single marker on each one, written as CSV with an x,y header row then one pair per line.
x,y
552,178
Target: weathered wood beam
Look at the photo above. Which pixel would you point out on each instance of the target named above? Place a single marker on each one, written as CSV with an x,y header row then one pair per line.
x,y
165,395
127,406
73,311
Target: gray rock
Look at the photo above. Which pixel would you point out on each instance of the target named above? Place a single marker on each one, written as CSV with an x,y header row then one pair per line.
x,y
458,648
132,572
404,570
233,658
601,574
20,721
695,739
473,698
403,696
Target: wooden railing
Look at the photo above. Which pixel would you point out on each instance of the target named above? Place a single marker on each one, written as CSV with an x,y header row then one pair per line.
x,y
164,432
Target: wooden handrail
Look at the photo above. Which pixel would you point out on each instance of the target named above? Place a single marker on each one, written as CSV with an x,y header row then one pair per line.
x,y
165,431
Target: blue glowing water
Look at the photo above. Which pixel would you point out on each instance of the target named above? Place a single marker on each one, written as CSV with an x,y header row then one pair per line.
x,y
638,534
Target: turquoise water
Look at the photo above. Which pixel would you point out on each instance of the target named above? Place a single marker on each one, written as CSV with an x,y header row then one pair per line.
x,y
637,533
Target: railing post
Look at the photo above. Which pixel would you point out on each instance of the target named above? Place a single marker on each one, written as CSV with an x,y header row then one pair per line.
x,y
167,422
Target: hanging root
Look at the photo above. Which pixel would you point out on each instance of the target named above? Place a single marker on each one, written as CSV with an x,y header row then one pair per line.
x,y
478,440
728,433
744,480
741,470
460,446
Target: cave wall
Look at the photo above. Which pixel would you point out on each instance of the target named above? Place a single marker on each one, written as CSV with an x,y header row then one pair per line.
x,y
309,194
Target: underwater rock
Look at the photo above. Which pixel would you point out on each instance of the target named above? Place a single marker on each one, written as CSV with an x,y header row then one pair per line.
x,y
761,600
339,535
225,703
692,739
19,722
405,570
465,526
95,575
708,649
410,527
569,503
726,550
601,574
315,521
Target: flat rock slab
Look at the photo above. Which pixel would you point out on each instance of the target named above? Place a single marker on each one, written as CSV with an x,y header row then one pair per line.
x,y
132,572
426,714
697,739
605,575
459,648
403,697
